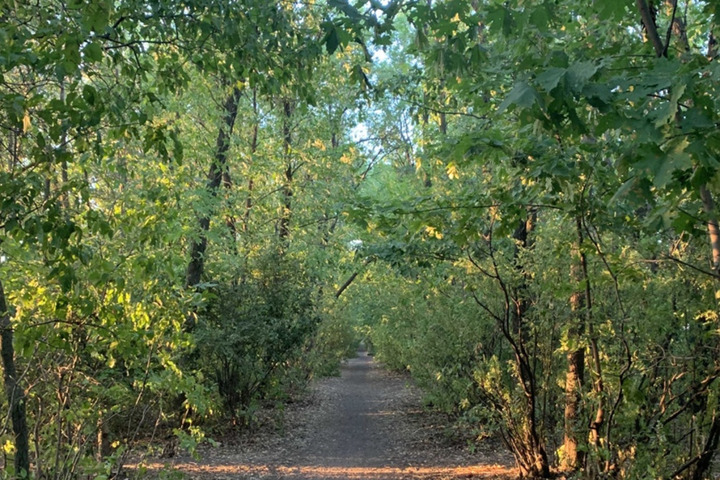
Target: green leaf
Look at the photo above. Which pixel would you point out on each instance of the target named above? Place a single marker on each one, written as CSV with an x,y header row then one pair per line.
x,y
550,78
92,52
622,191
346,8
612,9
579,73
332,41
668,165
71,52
696,119
540,17
523,95
598,96
684,223
89,94
500,19
667,112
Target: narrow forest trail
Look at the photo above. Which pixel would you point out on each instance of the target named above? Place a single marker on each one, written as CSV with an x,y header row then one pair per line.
x,y
366,424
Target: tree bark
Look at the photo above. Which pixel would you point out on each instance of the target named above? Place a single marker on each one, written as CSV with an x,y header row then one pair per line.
x,y
677,27
573,458
704,462
596,365
648,21
347,283
284,229
253,149
706,196
218,168
533,459
14,391
712,223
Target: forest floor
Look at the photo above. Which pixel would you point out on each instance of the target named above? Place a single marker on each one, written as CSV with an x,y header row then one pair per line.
x,y
366,424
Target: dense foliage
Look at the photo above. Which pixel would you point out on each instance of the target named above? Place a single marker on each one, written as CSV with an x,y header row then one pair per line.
x,y
553,279
205,203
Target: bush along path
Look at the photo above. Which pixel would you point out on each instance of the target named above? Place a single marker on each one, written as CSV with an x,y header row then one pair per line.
x,y
365,424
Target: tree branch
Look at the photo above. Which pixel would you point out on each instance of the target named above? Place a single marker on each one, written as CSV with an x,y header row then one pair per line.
x,y
670,28
650,27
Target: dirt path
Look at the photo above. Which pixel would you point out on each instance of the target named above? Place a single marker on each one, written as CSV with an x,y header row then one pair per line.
x,y
366,424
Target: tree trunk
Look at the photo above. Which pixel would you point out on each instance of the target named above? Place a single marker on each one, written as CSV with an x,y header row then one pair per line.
x,y
712,223
217,170
14,391
531,456
704,462
596,365
253,149
573,458
706,196
284,229
647,15
65,198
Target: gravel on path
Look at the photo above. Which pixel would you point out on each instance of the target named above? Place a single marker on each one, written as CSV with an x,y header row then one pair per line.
x,y
365,424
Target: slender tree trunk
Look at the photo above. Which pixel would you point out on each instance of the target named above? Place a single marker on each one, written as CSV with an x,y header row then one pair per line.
x,y
65,198
253,150
704,462
14,390
713,230
573,458
230,219
443,117
678,27
596,365
532,456
218,167
647,15
284,229
706,196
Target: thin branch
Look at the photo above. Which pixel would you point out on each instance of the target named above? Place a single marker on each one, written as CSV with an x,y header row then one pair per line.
x,y
447,112
352,278
346,284
480,267
694,267
669,30
486,308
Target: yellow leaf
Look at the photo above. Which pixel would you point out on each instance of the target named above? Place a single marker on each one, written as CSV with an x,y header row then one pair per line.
x,y
452,172
26,122
432,232
9,447
319,144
